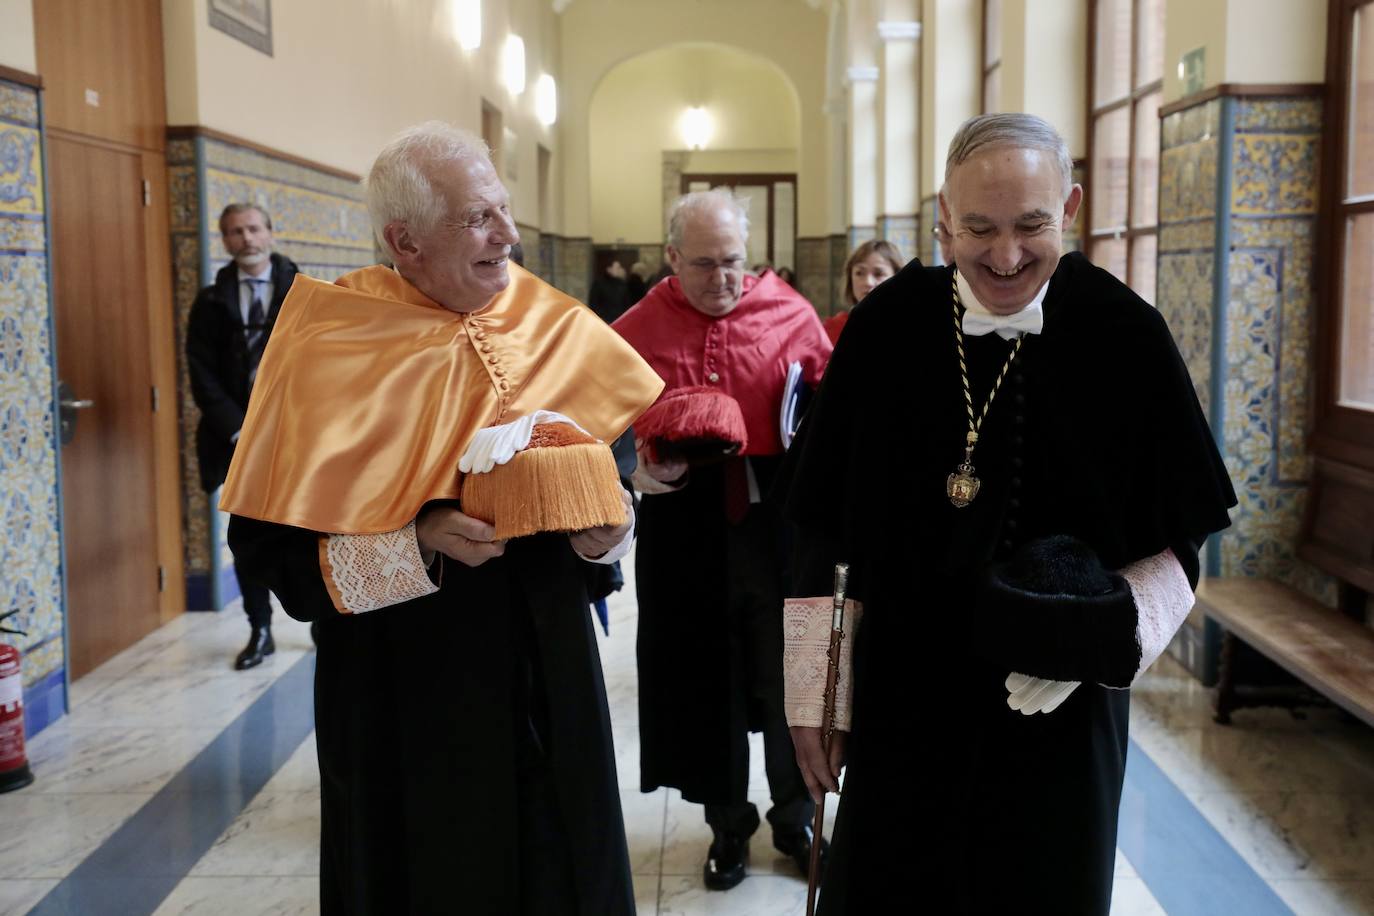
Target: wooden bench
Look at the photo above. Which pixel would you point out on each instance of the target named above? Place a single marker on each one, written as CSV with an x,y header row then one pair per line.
x,y
1325,649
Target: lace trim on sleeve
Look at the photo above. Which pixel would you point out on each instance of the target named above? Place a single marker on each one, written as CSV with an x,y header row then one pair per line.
x,y
1163,599
364,572
806,624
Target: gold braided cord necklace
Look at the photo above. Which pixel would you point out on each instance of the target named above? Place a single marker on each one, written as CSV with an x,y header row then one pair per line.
x,y
962,486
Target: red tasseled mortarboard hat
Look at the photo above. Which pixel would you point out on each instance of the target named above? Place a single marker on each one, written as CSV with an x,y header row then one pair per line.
x,y
694,424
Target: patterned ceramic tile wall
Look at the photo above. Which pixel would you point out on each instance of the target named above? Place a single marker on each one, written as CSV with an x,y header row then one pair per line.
x,y
1274,197
30,553
902,231
1271,180
814,271
1187,235
534,250
857,235
573,266
839,255
319,221
925,241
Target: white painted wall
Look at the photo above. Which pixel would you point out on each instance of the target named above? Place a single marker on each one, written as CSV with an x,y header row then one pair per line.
x,y
346,75
634,117
1275,41
951,80
596,35
17,49
1043,73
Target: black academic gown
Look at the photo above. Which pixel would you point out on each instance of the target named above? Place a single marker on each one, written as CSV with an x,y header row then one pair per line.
x,y
697,576
950,796
434,717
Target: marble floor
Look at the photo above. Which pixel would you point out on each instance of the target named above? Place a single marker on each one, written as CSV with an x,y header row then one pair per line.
x,y
146,802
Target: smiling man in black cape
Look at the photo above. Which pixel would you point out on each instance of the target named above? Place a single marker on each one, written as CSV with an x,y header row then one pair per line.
x,y
1030,549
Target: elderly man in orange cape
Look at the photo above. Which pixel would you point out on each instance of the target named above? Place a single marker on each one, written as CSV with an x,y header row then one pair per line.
x,y
464,737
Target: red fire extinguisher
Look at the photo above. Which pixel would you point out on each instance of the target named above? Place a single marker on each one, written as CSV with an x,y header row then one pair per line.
x,y
14,766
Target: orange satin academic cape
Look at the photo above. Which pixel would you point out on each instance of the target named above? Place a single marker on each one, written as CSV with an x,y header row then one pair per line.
x,y
369,391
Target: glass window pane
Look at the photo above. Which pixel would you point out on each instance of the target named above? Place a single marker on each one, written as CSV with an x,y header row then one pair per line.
x,y
1110,255
1112,55
1143,250
1357,315
1149,24
1360,164
1110,169
992,33
992,90
1145,178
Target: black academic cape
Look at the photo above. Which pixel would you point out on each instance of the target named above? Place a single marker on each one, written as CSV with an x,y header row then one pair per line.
x,y
952,799
432,716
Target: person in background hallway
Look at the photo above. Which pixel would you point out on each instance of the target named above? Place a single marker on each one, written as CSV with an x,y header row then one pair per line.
x,y
228,328
637,281
464,736
609,296
710,569
788,276
869,265
1020,477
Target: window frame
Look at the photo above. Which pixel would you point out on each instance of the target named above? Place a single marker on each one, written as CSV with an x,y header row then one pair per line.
x,y
1343,434
1130,101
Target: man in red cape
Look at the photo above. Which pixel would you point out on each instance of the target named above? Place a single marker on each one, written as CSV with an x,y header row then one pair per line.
x,y
710,569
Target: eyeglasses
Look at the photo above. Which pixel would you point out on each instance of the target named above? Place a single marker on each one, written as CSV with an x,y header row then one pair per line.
x,y
708,265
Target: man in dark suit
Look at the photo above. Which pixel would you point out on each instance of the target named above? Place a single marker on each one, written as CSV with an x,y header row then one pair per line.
x,y
225,336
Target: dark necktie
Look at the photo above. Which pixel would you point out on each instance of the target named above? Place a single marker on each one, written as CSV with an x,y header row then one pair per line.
x,y
255,332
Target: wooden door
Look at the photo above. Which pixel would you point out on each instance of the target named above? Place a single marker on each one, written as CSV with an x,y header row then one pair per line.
x,y
100,301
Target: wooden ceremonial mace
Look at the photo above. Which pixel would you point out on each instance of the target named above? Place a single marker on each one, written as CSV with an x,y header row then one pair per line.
x,y
832,677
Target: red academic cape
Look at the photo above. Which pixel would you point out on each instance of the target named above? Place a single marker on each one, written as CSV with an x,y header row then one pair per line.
x,y
746,352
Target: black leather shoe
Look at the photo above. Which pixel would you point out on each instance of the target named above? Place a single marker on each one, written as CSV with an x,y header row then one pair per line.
x,y
795,843
260,645
725,862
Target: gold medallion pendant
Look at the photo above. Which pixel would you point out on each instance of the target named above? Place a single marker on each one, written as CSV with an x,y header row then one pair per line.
x,y
961,486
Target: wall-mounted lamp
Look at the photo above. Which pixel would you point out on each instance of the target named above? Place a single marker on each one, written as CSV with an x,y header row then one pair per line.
x,y
696,126
467,23
546,100
513,64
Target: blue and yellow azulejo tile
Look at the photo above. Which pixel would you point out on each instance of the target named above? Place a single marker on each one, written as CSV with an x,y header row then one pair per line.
x,y
21,170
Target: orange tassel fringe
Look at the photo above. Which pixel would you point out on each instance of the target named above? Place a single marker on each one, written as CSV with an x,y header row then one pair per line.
x,y
564,481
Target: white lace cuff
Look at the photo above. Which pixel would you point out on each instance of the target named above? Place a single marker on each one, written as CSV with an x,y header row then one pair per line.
x,y
1163,597
364,572
806,626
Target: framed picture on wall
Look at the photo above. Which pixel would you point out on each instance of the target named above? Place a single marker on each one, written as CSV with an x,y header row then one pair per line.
x,y
250,21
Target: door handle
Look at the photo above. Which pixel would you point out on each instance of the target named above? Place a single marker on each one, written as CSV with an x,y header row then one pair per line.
x,y
67,406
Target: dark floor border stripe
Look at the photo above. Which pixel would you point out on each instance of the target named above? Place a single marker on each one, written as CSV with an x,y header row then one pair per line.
x,y
133,871
1188,866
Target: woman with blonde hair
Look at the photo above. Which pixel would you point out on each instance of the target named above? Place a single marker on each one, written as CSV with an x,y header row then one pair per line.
x,y
870,264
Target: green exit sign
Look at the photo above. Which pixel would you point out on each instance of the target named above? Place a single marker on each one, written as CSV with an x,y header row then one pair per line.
x,y
1192,70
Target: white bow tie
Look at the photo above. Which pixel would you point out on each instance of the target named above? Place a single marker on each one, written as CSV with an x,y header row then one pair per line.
x,y
1030,320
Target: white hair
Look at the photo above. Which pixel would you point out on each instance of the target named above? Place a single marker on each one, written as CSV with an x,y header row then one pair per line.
x,y
398,184
1011,129
699,203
